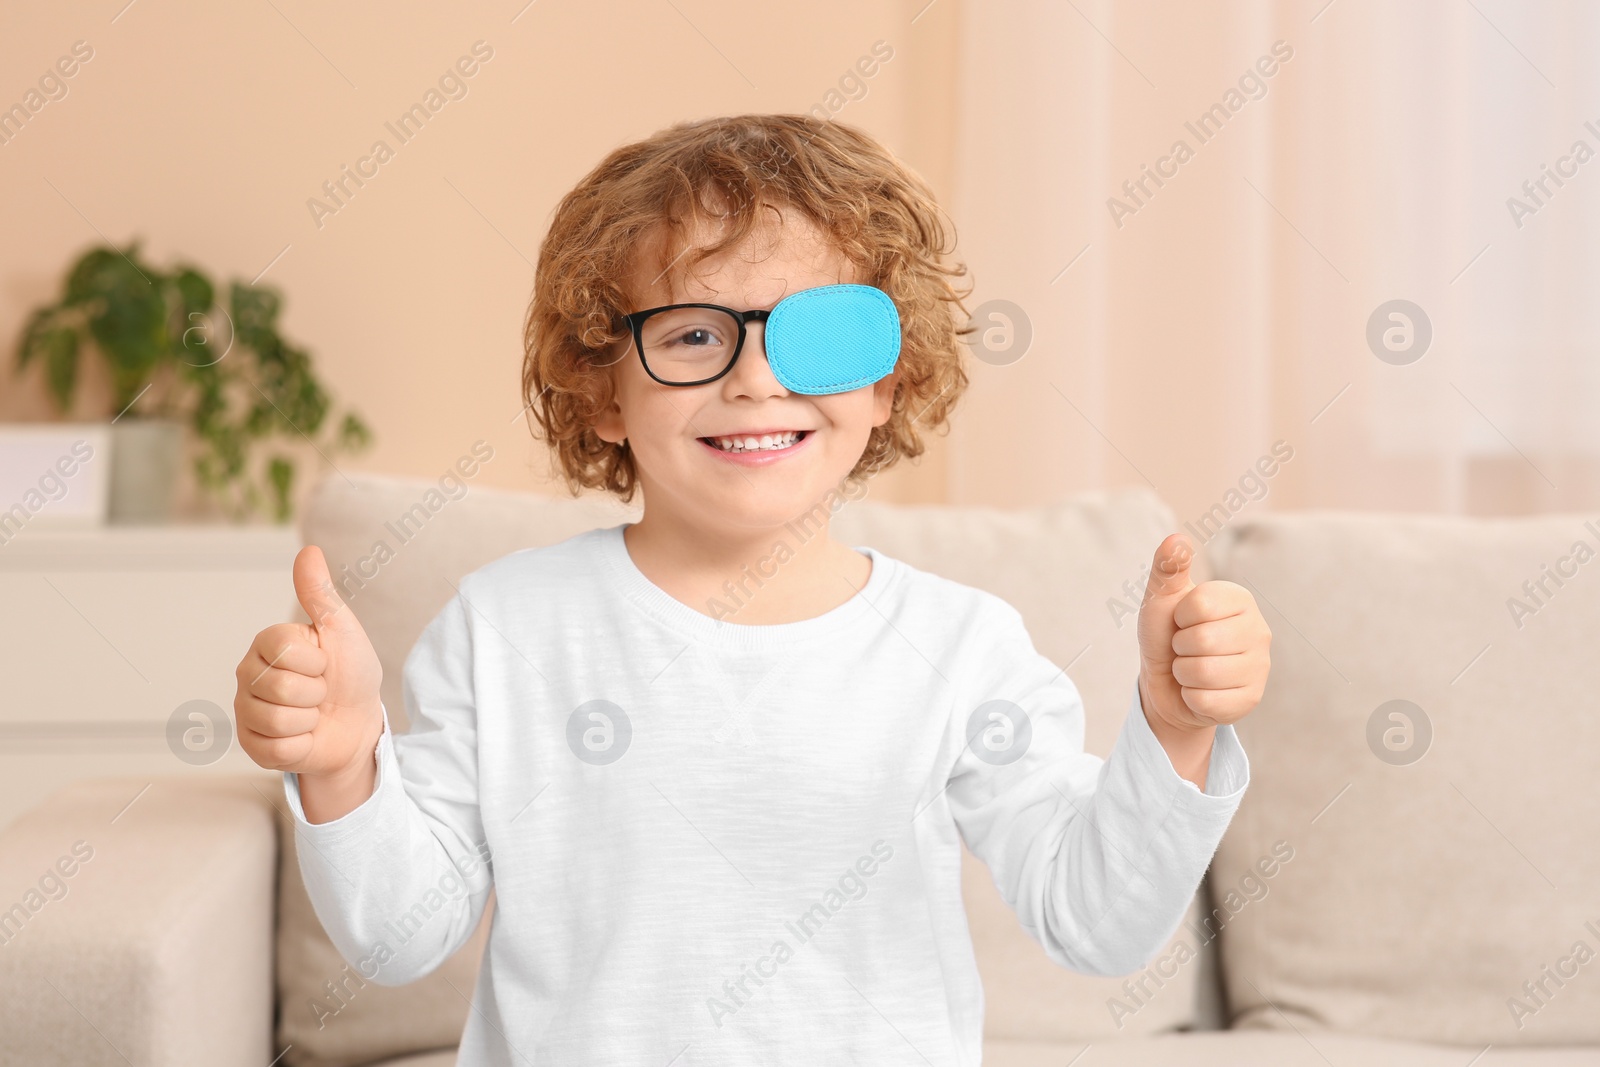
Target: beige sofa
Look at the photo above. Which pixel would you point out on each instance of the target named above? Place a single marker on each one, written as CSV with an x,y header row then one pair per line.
x,y
1367,906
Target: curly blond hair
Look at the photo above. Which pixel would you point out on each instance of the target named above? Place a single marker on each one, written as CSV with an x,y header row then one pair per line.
x,y
876,212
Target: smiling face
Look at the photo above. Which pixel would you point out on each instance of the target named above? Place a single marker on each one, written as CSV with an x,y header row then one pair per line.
x,y
673,432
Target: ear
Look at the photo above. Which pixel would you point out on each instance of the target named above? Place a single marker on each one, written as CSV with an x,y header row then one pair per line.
x,y
883,398
609,425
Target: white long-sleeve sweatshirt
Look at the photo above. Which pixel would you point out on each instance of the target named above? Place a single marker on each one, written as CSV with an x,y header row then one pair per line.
x,y
714,843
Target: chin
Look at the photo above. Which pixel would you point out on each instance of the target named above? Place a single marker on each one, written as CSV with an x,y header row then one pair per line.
x,y
768,513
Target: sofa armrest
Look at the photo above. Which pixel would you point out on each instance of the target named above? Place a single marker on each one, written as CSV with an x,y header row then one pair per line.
x,y
136,923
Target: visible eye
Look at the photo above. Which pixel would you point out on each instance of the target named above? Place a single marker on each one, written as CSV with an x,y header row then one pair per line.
x,y
699,331
690,332
696,337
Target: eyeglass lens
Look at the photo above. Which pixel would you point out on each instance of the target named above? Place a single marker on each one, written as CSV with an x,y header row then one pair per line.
x,y
689,344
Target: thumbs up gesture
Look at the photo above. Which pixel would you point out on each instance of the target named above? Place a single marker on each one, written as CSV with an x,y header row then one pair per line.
x,y
308,699
1203,649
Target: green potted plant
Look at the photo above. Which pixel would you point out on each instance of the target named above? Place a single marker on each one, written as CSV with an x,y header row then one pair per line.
x,y
236,383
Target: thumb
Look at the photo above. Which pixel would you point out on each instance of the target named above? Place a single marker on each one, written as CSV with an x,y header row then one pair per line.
x,y
314,588
1169,571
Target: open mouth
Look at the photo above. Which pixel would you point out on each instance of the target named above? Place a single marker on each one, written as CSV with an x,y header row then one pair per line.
x,y
769,442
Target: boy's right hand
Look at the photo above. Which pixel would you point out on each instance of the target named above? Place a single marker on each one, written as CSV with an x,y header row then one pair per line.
x,y
308,697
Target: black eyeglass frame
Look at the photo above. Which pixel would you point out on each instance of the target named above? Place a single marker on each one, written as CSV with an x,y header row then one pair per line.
x,y
637,319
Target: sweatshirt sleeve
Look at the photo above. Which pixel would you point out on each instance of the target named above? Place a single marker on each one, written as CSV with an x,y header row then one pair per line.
x,y
1098,858
401,881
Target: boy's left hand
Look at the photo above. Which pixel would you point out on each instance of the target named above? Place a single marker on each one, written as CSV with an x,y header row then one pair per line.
x,y
1203,649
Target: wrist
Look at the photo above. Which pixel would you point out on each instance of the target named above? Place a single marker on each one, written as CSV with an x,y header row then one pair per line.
x,y
1178,725
330,796
1187,745
363,763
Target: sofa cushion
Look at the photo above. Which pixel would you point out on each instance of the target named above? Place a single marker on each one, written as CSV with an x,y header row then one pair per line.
x,y
1060,566
446,1058
136,923
1247,1048
1440,859
1242,1048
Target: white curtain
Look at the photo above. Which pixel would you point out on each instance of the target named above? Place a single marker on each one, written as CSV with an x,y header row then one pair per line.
x,y
1229,309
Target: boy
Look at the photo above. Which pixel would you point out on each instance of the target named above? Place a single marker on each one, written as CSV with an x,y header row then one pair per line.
x,y
738,842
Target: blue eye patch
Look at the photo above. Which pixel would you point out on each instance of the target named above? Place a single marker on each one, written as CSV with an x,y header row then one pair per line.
x,y
832,339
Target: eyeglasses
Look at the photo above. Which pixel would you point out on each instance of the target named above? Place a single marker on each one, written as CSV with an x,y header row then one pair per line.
x,y
829,339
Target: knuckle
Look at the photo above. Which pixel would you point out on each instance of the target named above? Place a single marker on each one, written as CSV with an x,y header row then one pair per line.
x,y
269,686
250,712
1220,597
287,725
279,752
269,754
274,719
254,746
270,721
1208,702
1190,670
1202,601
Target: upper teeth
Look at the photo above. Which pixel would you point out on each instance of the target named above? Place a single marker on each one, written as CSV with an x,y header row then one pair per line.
x,y
756,444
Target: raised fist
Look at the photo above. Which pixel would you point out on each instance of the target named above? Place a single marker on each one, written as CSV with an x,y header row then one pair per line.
x,y
308,699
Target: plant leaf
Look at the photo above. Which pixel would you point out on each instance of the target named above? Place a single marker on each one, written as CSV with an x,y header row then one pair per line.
x,y
61,363
31,342
280,472
255,310
130,321
354,434
194,291
92,275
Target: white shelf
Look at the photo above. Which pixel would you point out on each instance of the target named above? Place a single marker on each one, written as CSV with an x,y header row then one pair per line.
x,y
106,631
176,547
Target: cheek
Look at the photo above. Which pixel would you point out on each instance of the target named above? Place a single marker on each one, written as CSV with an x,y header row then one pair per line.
x,y
850,414
646,411
651,419
660,421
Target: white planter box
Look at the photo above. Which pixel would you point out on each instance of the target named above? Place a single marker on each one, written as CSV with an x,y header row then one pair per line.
x,y
53,475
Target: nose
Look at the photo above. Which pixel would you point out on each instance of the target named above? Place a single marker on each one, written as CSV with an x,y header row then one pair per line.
x,y
751,375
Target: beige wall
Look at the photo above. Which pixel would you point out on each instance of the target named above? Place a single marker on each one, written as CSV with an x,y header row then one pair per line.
x,y
205,129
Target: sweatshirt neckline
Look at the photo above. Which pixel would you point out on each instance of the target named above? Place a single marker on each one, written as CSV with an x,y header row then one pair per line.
x,y
723,633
